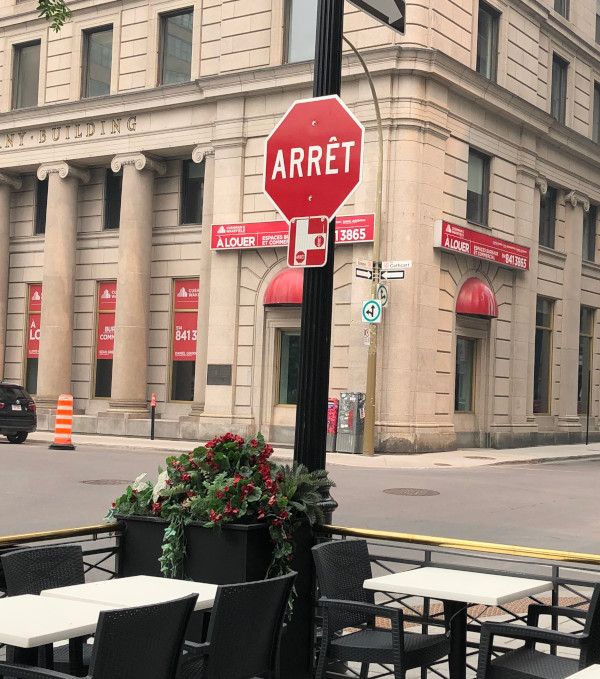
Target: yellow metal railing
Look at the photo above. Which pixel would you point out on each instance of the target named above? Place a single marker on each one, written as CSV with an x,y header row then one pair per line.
x,y
7,540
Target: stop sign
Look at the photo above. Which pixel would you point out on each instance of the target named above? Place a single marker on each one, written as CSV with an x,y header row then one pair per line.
x,y
313,158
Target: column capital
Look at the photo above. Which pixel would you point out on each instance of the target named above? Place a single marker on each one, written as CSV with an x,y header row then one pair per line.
x,y
141,161
542,183
64,170
575,197
201,152
11,180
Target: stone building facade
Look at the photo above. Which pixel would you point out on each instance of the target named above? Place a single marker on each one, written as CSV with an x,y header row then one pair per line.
x,y
128,134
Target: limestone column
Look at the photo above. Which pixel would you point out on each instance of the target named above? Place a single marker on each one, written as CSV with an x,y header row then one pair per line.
x,y
58,279
568,419
207,155
6,182
130,361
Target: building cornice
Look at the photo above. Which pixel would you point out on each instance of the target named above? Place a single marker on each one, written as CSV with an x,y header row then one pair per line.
x,y
11,180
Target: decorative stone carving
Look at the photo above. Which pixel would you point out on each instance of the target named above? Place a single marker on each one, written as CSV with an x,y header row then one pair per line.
x,y
64,170
574,197
11,179
542,183
141,161
201,152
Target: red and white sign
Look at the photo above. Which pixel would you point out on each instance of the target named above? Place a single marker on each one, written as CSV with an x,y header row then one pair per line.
x,y
35,297
467,242
33,336
185,334
107,296
186,294
106,336
251,235
308,242
313,158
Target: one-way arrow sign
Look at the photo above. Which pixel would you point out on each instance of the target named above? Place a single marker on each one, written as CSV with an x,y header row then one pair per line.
x,y
391,13
391,274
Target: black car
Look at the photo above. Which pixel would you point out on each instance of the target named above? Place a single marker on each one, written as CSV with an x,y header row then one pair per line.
x,y
18,415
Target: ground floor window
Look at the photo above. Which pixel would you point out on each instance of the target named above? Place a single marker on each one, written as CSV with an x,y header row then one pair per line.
x,y
105,341
34,317
543,354
289,367
185,333
464,381
586,331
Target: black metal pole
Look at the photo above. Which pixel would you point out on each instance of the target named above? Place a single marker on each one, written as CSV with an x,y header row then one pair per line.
x,y
587,419
317,300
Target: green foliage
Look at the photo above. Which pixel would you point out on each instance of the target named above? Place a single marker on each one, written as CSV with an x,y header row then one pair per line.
x,y
54,11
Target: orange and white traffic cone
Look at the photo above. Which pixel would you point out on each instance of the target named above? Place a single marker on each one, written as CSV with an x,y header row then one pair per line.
x,y
64,424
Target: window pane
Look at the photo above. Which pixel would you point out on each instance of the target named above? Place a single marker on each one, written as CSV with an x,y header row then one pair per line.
x,y
487,40
477,183
41,202
112,199
543,348
562,7
177,48
465,374
543,313
103,377
31,376
182,387
27,75
301,30
547,217
588,250
192,192
559,89
586,326
596,120
289,364
98,60
597,20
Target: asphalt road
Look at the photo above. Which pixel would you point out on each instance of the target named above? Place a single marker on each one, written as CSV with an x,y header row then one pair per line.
x,y
539,505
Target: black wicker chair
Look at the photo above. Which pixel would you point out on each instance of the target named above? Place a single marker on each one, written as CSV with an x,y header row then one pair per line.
x,y
528,661
243,634
131,643
29,571
342,567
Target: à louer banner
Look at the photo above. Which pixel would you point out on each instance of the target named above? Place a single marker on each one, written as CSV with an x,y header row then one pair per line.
x,y
33,321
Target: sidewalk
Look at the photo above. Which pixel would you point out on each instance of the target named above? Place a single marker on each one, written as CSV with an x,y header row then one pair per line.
x,y
474,457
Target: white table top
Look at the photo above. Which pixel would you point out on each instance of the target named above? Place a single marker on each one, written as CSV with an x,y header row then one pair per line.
x,y
455,585
591,672
137,590
28,620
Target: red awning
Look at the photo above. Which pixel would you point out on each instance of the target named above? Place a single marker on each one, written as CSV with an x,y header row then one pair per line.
x,y
285,288
476,299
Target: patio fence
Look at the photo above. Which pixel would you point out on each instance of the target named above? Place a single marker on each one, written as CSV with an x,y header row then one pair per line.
x,y
572,574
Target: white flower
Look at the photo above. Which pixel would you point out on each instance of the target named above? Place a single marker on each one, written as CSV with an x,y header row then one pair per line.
x,y
139,484
161,484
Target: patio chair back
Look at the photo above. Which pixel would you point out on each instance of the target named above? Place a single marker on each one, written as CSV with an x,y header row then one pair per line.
x,y
29,571
145,641
590,653
245,628
342,566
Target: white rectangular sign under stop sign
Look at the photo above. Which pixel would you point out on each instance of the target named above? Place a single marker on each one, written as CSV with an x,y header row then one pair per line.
x,y
308,241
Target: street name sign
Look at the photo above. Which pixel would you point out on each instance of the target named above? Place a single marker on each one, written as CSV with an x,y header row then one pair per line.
x,y
391,274
371,311
391,13
308,242
405,264
313,158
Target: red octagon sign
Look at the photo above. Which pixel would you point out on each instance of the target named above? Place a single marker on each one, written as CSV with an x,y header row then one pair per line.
x,y
313,158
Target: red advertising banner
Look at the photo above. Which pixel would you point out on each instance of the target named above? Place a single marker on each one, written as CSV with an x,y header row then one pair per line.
x,y
35,297
465,241
184,336
106,336
33,336
107,296
186,294
250,235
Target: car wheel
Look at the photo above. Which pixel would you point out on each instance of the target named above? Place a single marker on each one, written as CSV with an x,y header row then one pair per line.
x,y
19,437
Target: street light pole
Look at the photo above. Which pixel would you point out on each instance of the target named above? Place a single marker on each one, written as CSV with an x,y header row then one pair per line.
x,y
369,433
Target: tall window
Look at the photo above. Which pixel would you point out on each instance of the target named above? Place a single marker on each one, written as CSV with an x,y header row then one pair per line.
x,y
562,7
192,192
558,97
598,21
586,333
176,48
26,75
464,381
105,341
289,367
596,119
478,187
41,203
487,41
185,333
588,250
112,199
543,352
34,317
548,217
301,30
97,61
